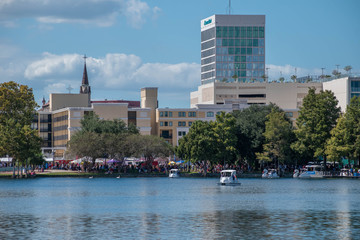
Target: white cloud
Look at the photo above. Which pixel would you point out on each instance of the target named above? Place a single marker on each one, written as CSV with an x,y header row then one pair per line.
x,y
115,71
51,65
102,13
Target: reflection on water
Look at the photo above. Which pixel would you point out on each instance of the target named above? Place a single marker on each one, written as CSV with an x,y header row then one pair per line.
x,y
211,225
181,209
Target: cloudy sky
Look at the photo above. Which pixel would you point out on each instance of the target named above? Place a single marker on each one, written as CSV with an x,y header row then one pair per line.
x,y
132,44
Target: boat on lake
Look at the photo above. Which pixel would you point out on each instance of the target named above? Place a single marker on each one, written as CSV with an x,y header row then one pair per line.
x,y
174,173
312,171
271,173
228,177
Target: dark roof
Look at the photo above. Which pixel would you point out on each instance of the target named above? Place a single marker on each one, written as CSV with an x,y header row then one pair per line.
x,y
85,80
132,104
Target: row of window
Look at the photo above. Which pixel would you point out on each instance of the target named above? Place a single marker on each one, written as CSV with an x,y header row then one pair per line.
x,y
240,42
180,114
207,53
60,128
240,32
231,58
62,118
207,44
61,137
207,60
181,133
238,51
231,66
170,124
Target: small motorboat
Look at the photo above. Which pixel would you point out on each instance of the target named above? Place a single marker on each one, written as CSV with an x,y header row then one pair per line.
x,y
174,173
271,173
228,177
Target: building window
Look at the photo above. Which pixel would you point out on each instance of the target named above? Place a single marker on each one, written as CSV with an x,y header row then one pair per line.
x,y
181,124
182,114
218,113
210,114
181,133
170,114
166,124
192,114
190,123
170,124
161,114
166,114
161,124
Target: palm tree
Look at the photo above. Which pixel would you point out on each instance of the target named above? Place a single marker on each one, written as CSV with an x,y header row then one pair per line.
x,y
293,77
348,69
235,77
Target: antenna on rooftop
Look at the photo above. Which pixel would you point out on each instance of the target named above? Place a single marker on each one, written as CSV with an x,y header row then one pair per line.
x,y
229,7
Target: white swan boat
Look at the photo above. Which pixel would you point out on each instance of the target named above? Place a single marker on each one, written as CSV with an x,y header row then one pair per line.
x,y
228,177
271,173
312,171
174,173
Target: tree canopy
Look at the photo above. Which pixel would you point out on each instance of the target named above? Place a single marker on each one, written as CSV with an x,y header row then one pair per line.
x,y
278,137
249,129
17,109
317,117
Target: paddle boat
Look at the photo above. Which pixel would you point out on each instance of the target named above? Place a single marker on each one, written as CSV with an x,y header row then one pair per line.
x,y
312,171
271,173
174,173
228,177
296,173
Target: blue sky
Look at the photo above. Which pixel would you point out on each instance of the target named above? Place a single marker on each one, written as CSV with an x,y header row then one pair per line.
x,y
137,43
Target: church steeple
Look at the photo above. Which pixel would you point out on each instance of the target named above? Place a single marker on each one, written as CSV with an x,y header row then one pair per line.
x,y
85,88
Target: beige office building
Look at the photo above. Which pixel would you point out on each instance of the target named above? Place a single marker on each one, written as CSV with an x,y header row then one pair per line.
x,y
60,117
174,123
288,96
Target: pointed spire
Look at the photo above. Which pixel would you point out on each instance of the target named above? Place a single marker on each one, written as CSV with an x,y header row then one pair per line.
x,y
43,101
85,80
85,88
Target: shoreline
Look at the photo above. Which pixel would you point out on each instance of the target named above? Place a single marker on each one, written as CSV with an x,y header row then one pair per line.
x,y
74,174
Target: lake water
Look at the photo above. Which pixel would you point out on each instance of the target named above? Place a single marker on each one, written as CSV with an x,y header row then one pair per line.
x,y
185,208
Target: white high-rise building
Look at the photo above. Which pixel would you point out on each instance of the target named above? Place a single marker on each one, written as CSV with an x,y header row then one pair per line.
x,y
233,48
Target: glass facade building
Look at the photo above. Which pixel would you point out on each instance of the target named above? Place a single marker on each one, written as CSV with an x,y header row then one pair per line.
x,y
233,48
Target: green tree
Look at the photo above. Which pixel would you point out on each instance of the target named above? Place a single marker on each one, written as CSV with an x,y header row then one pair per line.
x,y
224,138
86,144
345,137
17,107
317,117
23,143
278,138
198,145
348,68
249,129
293,77
336,73
150,147
337,145
235,77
